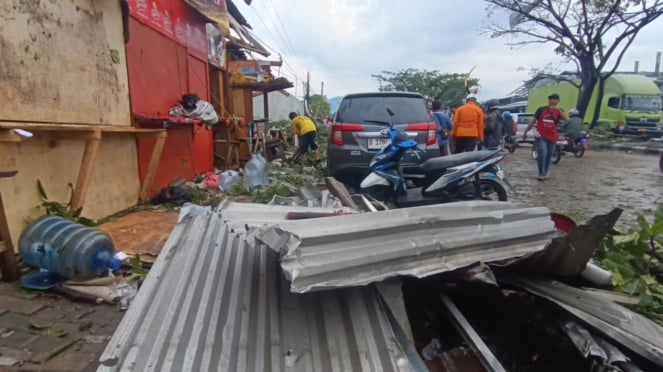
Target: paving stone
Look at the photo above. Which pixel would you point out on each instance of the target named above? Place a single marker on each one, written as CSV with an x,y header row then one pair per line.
x,y
6,361
65,313
71,361
18,339
22,306
18,354
14,321
44,345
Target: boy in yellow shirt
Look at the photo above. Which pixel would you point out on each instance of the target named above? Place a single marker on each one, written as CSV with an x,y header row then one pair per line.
x,y
306,129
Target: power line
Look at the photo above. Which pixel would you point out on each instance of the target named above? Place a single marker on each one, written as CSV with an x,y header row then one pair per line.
x,y
267,45
281,33
285,32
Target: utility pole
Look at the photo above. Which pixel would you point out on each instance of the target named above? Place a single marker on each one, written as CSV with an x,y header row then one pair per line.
x,y
295,86
322,88
307,98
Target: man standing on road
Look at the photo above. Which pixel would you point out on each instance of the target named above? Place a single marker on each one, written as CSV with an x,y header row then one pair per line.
x,y
547,120
306,129
494,128
444,126
469,121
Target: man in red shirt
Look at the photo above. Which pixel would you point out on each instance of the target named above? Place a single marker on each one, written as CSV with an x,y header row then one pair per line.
x,y
547,120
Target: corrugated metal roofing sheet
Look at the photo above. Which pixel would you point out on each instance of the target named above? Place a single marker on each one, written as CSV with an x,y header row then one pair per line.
x,y
620,324
211,302
240,215
355,250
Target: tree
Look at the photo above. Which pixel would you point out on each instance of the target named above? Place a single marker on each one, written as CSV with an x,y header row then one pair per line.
x,y
451,89
594,34
320,107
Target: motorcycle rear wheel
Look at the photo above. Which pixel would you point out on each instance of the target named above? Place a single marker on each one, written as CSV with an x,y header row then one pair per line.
x,y
579,151
557,155
492,190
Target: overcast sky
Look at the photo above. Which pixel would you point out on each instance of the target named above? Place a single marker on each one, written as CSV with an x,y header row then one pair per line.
x,y
343,42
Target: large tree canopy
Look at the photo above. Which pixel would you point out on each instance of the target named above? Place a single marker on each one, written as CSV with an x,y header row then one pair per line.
x,y
320,107
451,89
594,34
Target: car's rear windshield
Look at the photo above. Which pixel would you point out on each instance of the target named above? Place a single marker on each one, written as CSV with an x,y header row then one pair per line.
x,y
406,109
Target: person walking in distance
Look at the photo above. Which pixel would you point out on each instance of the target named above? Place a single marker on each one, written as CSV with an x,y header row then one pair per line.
x,y
444,126
468,125
547,120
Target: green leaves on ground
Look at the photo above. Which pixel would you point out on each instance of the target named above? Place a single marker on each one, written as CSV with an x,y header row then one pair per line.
x,y
64,210
636,262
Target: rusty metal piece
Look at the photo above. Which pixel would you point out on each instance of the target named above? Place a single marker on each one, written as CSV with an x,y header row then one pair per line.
x,y
466,330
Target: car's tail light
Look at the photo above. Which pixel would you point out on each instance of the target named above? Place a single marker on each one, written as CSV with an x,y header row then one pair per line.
x,y
430,129
339,128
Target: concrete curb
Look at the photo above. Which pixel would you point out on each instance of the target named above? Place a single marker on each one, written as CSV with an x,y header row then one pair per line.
x,y
627,147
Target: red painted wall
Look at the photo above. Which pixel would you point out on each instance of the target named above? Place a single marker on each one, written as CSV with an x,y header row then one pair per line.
x,y
162,66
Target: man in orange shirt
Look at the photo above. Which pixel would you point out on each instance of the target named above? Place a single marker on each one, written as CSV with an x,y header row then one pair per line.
x,y
469,122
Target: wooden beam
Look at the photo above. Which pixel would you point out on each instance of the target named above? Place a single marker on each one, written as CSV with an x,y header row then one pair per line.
x,y
152,168
8,264
84,128
340,191
85,172
8,135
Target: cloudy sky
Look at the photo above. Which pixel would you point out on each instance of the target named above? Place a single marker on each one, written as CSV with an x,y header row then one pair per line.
x,y
343,42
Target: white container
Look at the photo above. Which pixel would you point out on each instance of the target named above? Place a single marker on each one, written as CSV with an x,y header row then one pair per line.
x,y
596,275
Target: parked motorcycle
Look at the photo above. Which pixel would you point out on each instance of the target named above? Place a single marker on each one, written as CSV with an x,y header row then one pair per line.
x,y
465,176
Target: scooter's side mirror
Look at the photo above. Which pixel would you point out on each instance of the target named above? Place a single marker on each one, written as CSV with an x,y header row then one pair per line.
x,y
391,113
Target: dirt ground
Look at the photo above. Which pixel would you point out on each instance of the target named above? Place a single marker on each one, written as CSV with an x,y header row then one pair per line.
x,y
593,184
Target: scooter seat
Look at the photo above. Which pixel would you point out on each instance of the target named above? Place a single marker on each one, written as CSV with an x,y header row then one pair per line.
x,y
445,162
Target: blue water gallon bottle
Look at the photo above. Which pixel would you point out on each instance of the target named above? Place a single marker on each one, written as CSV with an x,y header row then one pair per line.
x,y
68,248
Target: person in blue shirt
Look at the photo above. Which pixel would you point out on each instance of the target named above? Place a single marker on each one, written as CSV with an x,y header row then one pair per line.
x,y
444,127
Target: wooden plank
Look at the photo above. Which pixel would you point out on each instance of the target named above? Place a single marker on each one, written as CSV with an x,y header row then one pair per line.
x,y
8,135
47,47
340,191
152,168
81,128
85,172
8,264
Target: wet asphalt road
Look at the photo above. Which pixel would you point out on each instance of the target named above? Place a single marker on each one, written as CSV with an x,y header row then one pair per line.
x,y
593,184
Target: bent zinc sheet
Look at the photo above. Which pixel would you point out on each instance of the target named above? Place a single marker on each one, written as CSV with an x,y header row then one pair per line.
x,y
625,327
212,303
355,250
244,215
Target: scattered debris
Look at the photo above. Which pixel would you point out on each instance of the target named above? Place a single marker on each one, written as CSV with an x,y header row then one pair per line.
x,y
191,210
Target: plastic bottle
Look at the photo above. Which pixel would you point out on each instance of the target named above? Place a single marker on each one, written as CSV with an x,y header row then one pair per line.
x,y
67,248
255,171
